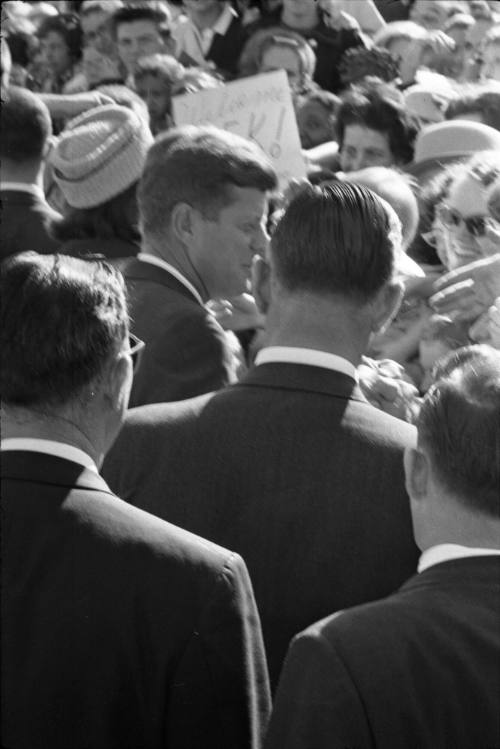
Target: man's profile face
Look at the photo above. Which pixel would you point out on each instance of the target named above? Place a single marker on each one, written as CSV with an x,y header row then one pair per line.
x,y
364,147
224,248
137,39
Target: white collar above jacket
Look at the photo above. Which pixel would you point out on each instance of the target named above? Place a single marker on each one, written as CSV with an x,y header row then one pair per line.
x,y
308,356
446,552
49,447
148,258
195,42
30,188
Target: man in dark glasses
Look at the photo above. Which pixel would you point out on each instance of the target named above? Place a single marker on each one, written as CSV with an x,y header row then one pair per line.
x,y
118,630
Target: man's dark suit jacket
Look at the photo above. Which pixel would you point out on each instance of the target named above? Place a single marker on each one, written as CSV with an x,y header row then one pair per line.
x,y
226,48
119,630
419,669
294,470
186,350
25,218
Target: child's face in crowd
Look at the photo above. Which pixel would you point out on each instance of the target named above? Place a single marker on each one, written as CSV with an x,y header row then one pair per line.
x,y
155,93
316,124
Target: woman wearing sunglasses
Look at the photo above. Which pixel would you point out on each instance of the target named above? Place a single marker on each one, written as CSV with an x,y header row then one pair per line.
x,y
464,222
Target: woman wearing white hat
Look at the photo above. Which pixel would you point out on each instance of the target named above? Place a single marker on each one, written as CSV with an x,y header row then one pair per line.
x,y
96,164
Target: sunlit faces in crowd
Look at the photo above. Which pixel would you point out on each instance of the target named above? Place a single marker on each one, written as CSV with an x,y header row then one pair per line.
x,y
55,53
364,147
138,38
469,231
491,56
316,118
431,14
289,52
154,78
155,94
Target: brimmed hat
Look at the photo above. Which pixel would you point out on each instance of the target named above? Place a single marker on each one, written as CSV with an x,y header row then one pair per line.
x,y
446,142
100,154
428,102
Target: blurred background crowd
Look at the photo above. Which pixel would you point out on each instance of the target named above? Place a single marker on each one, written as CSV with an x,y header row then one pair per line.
x,y
401,97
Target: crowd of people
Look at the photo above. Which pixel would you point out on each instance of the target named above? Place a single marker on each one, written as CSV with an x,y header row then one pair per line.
x,y
250,430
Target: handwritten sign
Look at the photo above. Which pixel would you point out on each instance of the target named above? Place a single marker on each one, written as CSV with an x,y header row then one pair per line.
x,y
259,108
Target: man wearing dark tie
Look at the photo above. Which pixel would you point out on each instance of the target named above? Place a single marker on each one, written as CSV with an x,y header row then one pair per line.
x,y
420,668
118,629
291,466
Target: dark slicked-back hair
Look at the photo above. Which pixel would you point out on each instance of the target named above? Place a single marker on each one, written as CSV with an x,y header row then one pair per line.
x,y
198,166
459,425
25,126
61,320
146,10
337,238
379,106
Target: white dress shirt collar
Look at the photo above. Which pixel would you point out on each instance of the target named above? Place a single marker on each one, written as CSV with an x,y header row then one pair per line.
x,y
147,258
446,552
30,188
50,447
195,42
311,357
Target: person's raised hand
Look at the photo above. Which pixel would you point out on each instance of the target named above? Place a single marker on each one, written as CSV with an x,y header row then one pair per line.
x,y
467,292
237,313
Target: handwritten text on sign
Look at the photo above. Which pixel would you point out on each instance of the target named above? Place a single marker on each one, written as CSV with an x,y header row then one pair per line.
x,y
259,108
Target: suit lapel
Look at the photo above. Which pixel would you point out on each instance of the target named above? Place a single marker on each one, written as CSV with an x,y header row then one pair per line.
x,y
286,376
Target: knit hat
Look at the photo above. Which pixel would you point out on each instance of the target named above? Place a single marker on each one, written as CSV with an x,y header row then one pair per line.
x,y
100,154
448,142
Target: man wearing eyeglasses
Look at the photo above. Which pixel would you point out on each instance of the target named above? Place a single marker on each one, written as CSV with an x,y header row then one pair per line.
x,y
118,629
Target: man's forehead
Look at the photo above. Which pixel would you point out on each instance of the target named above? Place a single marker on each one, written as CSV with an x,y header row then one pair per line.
x,y
137,28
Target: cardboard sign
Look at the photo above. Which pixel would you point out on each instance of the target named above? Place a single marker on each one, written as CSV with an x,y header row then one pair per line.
x,y
259,108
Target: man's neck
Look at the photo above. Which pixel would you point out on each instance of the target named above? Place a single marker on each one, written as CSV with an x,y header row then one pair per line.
x,y
179,259
319,325
205,19
24,174
31,425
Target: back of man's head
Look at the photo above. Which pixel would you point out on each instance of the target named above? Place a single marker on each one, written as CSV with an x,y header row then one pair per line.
x,y
197,166
61,320
459,428
25,126
337,238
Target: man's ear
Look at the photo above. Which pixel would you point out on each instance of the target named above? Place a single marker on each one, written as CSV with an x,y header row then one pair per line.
x,y
417,473
386,304
119,378
182,222
261,283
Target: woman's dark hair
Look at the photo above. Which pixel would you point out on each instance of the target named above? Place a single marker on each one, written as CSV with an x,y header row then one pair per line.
x,y
68,26
111,220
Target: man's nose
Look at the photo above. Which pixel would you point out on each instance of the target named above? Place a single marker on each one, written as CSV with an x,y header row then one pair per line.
x,y
260,241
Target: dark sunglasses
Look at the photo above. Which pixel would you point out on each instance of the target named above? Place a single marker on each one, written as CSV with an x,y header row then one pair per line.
x,y
475,225
135,350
